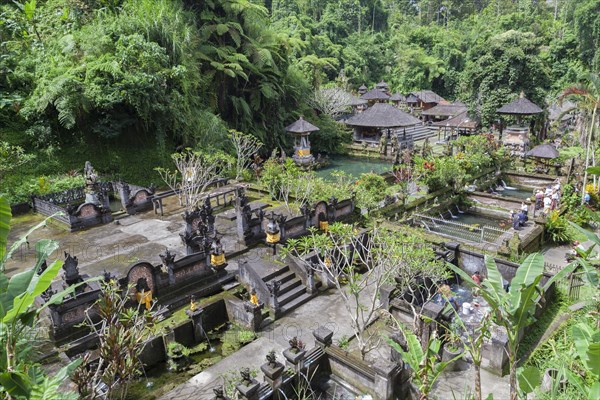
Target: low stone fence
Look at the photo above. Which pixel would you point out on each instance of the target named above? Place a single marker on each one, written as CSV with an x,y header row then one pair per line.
x,y
171,284
383,380
71,208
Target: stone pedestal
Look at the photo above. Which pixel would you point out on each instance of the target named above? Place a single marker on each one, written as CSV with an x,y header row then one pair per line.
x,y
323,337
273,374
385,378
497,352
294,360
385,295
248,390
196,317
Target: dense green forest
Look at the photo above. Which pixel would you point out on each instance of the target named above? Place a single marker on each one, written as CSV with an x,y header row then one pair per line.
x,y
126,82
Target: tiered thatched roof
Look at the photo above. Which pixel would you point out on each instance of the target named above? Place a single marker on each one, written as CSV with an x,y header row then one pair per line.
x,y
375,94
301,126
520,106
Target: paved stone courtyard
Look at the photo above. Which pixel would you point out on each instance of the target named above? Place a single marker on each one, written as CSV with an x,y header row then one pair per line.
x,y
115,247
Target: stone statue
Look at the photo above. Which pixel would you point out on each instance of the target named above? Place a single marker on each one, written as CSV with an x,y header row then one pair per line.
x,y
167,259
246,378
272,358
71,272
91,184
89,174
274,288
383,144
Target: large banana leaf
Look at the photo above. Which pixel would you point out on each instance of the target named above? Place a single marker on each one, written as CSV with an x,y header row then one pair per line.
x,y
5,217
16,384
493,282
37,286
26,283
587,346
528,378
532,267
17,245
522,310
591,236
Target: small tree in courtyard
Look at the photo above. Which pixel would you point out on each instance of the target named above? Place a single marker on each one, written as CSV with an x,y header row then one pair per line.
x,y
245,147
195,170
358,264
122,332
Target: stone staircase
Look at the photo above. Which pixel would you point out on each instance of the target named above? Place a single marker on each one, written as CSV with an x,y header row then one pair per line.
x,y
292,292
423,131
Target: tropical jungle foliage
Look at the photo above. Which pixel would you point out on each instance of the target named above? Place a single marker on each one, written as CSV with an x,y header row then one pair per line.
x,y
100,79
21,377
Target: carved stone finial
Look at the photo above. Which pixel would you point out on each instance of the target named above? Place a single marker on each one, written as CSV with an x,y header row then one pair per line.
x,y
246,378
271,358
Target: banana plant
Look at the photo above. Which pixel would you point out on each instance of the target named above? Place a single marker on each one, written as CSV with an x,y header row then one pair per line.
x,y
20,376
514,309
424,363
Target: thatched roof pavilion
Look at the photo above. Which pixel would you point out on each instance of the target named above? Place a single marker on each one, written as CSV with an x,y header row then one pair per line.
x,y
397,97
384,119
520,106
300,130
459,124
543,151
383,115
301,126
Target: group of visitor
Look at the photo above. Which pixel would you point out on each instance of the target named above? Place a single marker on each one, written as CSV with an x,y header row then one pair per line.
x,y
548,199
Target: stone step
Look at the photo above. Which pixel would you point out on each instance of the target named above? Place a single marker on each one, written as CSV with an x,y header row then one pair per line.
x,y
291,295
283,278
296,302
278,272
289,285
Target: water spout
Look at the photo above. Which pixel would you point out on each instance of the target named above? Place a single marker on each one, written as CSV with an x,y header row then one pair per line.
x,y
459,210
505,186
452,215
442,216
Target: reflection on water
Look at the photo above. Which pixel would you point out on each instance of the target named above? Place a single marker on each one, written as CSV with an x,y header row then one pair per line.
x,y
353,166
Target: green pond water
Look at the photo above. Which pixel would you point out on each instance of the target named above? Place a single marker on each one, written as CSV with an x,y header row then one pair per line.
x,y
353,166
519,193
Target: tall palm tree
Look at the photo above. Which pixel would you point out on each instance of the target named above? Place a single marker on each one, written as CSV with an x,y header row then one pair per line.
x,y
586,96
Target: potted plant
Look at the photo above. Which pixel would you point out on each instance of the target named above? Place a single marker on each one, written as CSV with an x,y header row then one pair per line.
x,y
453,346
296,350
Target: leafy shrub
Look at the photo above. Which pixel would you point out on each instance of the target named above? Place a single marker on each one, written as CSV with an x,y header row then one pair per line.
x,y
557,228
370,190
235,338
20,191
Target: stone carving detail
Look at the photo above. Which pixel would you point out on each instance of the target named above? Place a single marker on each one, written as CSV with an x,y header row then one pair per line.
x,y
71,273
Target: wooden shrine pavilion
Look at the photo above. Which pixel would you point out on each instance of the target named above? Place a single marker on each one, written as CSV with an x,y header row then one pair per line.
x,y
383,119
